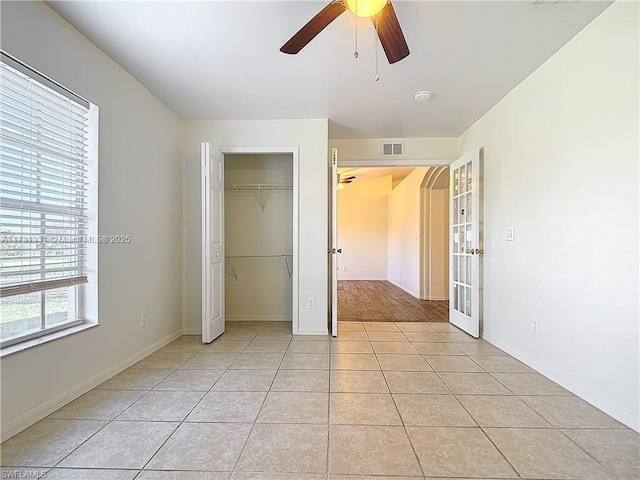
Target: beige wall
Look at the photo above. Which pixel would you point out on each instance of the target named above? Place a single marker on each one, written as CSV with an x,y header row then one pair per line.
x,y
369,150
362,229
404,225
263,288
436,240
561,166
140,194
310,137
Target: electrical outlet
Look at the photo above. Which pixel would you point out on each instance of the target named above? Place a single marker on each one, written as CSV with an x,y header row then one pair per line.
x,y
511,234
535,326
144,317
344,268
311,303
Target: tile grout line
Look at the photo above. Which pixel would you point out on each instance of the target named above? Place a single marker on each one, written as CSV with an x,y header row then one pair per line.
x,y
332,344
187,415
482,428
255,421
604,467
404,426
108,422
193,408
471,416
487,436
514,395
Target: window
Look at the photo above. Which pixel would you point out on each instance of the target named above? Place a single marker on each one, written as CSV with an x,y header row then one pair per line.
x,y
47,140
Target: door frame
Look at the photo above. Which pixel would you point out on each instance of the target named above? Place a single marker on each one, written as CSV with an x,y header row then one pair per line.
x,y
295,153
394,162
333,244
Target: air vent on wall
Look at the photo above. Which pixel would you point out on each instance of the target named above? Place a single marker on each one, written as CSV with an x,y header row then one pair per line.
x,y
392,149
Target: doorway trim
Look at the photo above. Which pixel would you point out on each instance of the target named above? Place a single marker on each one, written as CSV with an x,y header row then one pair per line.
x,y
295,153
384,162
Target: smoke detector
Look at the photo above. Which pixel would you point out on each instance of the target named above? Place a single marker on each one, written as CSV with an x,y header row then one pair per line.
x,y
422,96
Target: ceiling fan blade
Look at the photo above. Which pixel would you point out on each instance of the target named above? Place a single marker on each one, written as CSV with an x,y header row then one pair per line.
x,y
390,34
318,23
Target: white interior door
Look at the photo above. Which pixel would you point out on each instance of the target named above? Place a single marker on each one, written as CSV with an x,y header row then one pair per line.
x,y
213,267
334,250
465,244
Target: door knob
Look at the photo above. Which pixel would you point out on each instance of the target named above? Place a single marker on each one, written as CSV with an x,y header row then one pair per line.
x,y
217,255
470,251
479,251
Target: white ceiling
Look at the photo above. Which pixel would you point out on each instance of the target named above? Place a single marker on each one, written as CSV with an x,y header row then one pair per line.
x,y
221,60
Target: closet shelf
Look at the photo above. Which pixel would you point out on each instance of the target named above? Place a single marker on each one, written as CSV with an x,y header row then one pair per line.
x,y
286,257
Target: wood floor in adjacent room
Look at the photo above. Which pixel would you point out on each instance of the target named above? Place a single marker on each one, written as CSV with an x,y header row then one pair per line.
x,y
381,301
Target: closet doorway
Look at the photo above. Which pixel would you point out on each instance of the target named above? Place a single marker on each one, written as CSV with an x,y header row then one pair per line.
x,y
260,235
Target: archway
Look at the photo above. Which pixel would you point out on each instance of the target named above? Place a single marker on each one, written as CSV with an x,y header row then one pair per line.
x,y
434,238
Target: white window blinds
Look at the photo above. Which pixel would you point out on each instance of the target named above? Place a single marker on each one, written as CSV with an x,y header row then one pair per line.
x,y
43,182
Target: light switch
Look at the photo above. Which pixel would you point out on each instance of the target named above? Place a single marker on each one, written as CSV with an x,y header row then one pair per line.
x,y
511,236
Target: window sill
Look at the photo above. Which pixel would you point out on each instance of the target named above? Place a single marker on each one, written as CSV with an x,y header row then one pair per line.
x,y
19,347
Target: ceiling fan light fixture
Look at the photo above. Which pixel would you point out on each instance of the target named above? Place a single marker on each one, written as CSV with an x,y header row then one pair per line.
x,y
422,96
366,8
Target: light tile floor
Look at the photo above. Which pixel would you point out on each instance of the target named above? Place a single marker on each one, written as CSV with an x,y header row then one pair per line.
x,y
382,401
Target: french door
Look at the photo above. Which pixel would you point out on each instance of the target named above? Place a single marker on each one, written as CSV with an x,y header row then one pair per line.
x,y
465,243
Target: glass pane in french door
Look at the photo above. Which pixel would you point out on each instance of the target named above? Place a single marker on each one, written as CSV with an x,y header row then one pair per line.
x,y
462,238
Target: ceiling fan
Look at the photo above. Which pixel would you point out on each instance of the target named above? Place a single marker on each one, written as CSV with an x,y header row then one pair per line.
x,y
381,13
343,180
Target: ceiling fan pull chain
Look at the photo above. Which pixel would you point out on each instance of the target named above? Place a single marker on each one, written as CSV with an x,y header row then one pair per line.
x,y
377,77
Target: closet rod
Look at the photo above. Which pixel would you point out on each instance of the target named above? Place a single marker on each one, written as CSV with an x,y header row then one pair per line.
x,y
260,256
258,186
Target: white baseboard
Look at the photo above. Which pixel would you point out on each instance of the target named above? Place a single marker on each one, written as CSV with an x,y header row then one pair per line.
x,y
402,287
192,331
256,318
324,332
631,420
197,331
437,299
47,408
